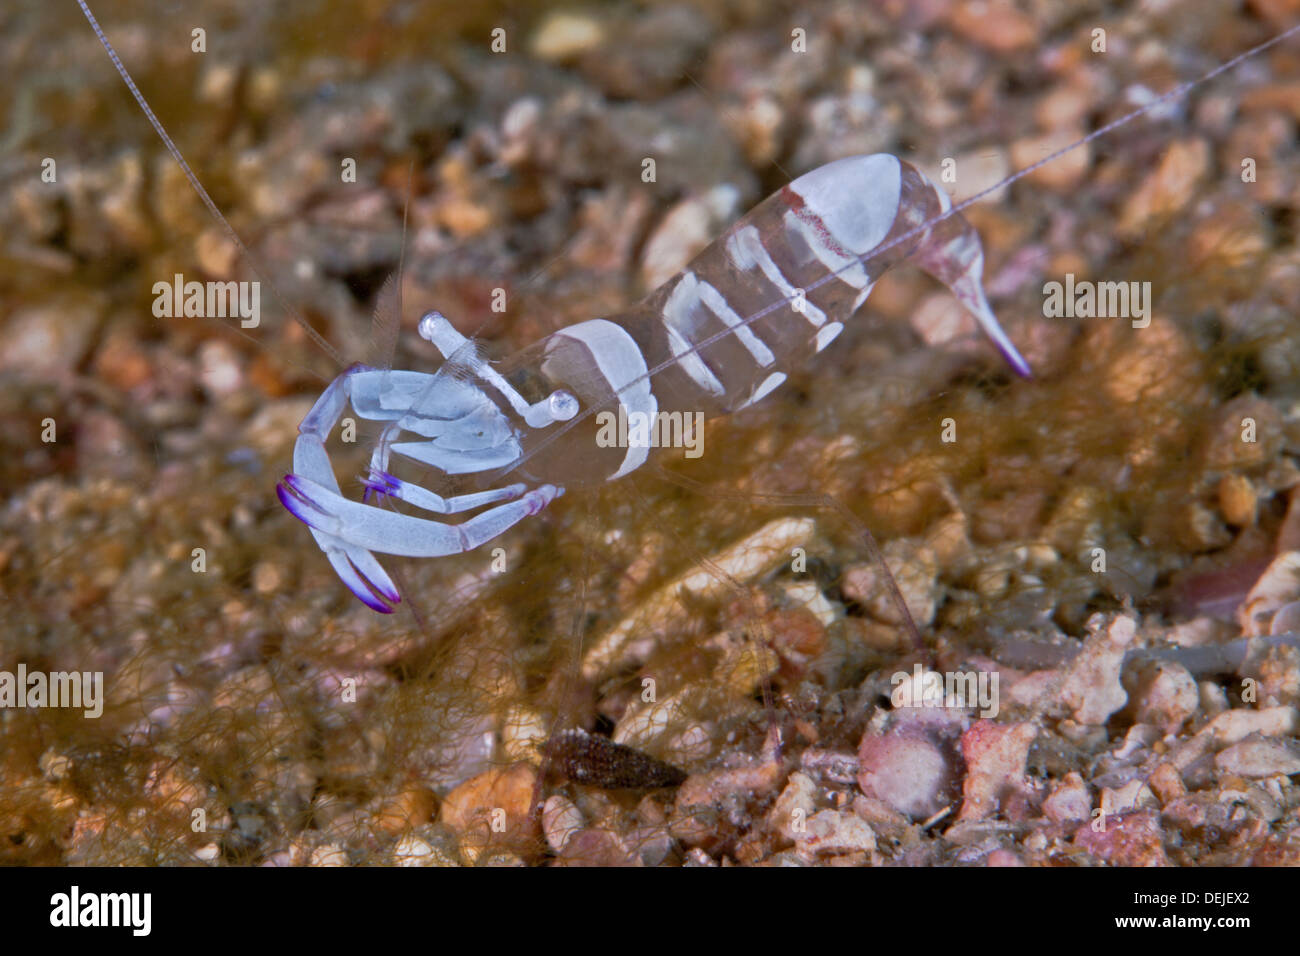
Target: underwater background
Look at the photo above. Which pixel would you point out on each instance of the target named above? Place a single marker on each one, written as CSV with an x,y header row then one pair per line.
x,y
1138,495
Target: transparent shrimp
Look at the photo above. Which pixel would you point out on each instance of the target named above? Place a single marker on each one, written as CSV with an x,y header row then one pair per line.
x,y
579,578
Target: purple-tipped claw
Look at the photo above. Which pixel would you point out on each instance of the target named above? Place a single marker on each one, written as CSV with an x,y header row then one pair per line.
x,y
355,566
292,501
368,599
374,575
357,583
293,486
380,483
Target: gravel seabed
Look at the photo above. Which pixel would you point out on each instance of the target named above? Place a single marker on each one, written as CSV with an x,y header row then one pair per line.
x,y
1112,542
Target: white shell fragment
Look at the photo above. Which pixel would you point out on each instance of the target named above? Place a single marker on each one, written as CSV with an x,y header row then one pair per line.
x,y
1278,586
744,561
1092,688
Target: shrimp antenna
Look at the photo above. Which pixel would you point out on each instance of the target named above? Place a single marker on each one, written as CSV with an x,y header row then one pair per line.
x,y
198,186
387,323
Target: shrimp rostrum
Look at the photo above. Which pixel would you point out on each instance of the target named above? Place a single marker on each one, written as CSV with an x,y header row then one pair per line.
x,y
771,292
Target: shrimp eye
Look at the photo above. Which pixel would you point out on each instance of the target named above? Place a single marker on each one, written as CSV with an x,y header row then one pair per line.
x,y
563,405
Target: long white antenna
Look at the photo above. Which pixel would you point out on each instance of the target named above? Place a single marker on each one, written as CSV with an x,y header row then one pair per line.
x,y
198,186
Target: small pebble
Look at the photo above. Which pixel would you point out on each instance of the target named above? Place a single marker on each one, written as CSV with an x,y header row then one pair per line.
x,y
940,319
1277,587
1134,795
909,768
1243,433
915,570
1069,800
833,831
1061,174
794,806
268,577
1168,188
596,847
1163,693
1233,726
1260,757
686,229
1003,858
564,37
974,172
1166,783
1131,840
493,807
1092,687
996,755
995,25
221,371
409,808
50,339
561,819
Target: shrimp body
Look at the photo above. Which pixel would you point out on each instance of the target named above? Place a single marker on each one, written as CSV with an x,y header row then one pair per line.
x,y
772,291
707,341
